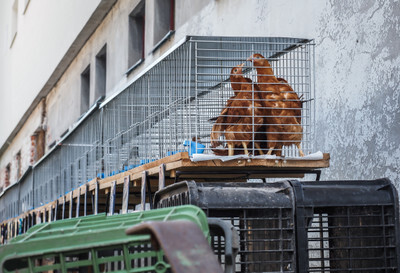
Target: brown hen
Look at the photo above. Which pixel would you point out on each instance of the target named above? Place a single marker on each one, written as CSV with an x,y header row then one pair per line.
x,y
282,108
241,117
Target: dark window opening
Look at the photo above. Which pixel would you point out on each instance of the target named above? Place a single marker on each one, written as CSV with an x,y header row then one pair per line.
x,y
164,21
101,73
85,90
7,176
39,145
19,169
136,36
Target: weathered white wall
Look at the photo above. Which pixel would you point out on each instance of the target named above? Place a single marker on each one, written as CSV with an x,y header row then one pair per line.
x,y
45,32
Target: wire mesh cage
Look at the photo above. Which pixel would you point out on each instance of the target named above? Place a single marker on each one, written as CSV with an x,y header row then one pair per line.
x,y
82,153
26,192
173,106
46,184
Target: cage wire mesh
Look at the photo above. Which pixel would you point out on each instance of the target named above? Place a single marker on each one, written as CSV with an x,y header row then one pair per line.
x,y
26,192
81,154
9,204
168,109
45,179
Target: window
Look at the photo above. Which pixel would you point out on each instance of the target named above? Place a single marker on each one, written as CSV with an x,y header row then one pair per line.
x,y
101,73
85,90
14,22
7,176
38,145
136,36
18,160
164,21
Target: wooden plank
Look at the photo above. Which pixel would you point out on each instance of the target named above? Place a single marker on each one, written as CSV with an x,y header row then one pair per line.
x,y
138,170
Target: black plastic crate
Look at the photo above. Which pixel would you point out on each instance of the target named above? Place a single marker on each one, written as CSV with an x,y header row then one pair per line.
x,y
262,213
347,226
293,226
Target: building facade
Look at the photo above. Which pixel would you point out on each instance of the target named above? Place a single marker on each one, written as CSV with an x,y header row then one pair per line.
x,y
58,58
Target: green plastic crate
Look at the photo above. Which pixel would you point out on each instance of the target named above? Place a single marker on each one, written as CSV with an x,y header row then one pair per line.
x,y
95,243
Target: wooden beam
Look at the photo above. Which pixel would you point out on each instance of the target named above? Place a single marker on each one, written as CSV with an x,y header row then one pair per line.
x,y
125,195
112,198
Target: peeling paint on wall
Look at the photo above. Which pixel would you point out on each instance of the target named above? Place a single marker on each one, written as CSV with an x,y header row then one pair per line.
x,y
358,89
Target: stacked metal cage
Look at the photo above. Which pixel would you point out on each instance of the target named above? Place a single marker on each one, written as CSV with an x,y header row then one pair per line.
x,y
295,226
167,109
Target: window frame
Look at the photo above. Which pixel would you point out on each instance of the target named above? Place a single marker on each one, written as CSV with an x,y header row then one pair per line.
x,y
136,23
171,26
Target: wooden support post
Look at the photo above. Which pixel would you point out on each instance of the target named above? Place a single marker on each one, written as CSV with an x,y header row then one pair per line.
x,y
44,216
50,214
38,220
55,210
96,198
70,204
149,192
161,177
85,200
143,190
112,198
125,195
78,202
63,208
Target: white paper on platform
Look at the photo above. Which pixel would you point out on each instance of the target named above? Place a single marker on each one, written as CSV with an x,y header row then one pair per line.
x,y
203,157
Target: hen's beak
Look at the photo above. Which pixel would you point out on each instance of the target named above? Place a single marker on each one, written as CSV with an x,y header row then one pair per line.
x,y
241,65
250,59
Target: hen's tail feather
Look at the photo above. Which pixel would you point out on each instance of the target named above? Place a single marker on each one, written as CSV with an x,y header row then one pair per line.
x,y
220,152
217,129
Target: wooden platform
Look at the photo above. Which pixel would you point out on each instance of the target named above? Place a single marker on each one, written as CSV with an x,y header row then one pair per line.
x,y
181,162
123,192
